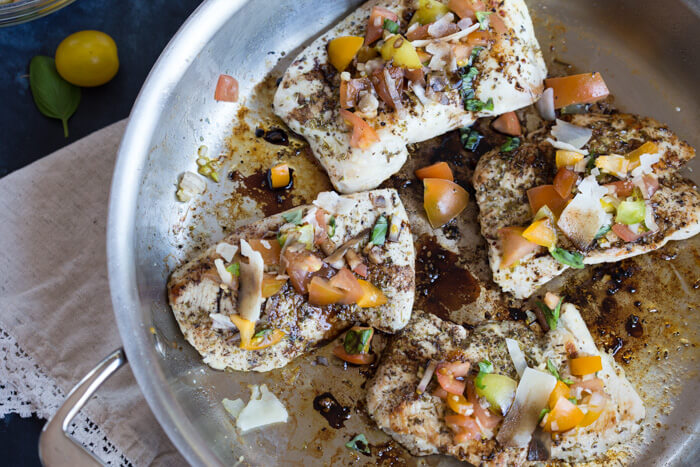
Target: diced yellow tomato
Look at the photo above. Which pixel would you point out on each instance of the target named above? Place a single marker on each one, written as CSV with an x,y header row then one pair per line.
x,y
508,124
443,200
321,293
514,246
245,328
479,38
542,233
375,24
563,417
342,50
438,170
371,295
546,195
566,158
649,147
577,89
560,390
459,404
271,285
279,176
266,340
401,51
585,365
363,135
590,417
607,205
269,249
613,164
564,182
429,11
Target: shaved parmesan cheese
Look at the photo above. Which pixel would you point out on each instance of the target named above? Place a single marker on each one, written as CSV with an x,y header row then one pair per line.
x,y
419,91
334,203
545,106
517,356
645,163
575,135
440,27
250,293
582,219
221,321
452,37
226,277
589,187
262,409
226,250
568,147
233,407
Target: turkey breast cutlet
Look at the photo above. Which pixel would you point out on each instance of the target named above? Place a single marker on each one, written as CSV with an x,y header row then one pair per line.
x,y
502,181
419,421
332,239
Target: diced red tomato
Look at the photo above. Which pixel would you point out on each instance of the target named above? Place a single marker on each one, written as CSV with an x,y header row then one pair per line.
x,y
447,374
437,170
363,135
415,75
226,89
465,427
564,182
625,233
577,89
441,393
321,293
419,32
487,418
357,359
350,90
508,124
345,281
546,195
515,247
379,82
269,249
271,285
623,188
443,200
361,270
375,24
466,8
651,184
300,266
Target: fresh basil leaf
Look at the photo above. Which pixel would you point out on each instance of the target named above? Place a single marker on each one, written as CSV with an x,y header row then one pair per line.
x,y
359,443
293,217
551,316
573,259
234,268
379,231
391,26
469,138
263,333
572,400
474,55
482,18
510,144
544,412
54,96
475,105
485,366
603,230
331,227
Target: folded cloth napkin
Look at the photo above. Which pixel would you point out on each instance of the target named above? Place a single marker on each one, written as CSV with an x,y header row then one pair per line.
x,y
56,319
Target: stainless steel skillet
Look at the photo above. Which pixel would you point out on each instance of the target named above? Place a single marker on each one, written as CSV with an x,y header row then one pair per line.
x,y
649,53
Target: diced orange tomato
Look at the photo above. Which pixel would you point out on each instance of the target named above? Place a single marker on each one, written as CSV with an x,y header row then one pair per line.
x,y
441,393
623,188
361,270
245,328
479,38
342,50
466,8
271,285
560,390
465,427
226,89
459,404
321,293
375,24
565,415
443,200
566,158
345,281
625,233
371,295
546,195
350,91
266,340
300,266
577,89
437,170
497,24
488,419
514,245
564,182
279,176
357,359
585,365
542,233
363,135
508,124
447,373
649,147
269,249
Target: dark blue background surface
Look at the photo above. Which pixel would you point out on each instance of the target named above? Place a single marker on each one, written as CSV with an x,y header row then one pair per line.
x,y
141,29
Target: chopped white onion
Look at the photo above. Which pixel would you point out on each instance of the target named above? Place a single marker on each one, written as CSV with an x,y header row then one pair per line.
x,y
226,250
595,171
394,93
226,277
451,37
589,186
441,26
334,203
250,297
427,375
221,321
395,227
566,146
441,55
580,166
464,23
517,356
649,220
262,409
419,91
545,105
575,135
645,163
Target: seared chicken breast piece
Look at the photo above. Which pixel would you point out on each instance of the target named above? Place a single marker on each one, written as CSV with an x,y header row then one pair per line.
x,y
362,239
419,420
508,74
502,180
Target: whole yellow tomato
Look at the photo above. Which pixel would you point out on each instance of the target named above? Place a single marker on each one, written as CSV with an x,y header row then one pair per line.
x,y
87,58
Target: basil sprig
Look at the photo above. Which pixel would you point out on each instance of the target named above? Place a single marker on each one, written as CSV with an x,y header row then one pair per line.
x,y
54,96
551,316
470,138
602,231
475,105
570,258
379,231
510,144
331,227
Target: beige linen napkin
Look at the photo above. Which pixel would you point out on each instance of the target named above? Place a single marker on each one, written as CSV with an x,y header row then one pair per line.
x,y
54,297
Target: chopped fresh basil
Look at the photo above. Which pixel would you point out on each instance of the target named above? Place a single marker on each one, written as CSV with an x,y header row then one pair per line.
x,y
391,26
482,18
234,268
510,144
551,316
379,231
555,372
470,138
262,333
603,230
591,162
544,412
485,366
475,105
331,227
572,400
293,217
573,259
474,55
359,443
357,342
466,90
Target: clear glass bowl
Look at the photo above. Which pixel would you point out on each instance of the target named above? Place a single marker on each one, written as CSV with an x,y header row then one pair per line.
x,y
27,10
